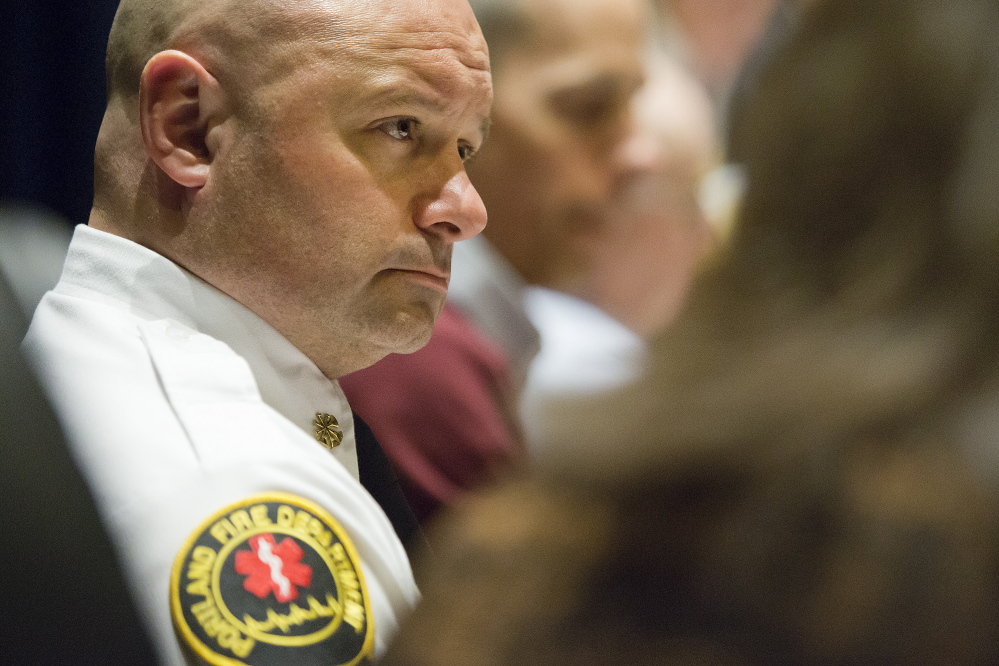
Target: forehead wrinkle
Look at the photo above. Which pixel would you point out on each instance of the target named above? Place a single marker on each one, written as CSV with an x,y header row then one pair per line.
x,y
424,76
472,58
469,50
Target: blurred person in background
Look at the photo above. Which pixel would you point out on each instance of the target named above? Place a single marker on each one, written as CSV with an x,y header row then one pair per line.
x,y
593,332
564,143
808,474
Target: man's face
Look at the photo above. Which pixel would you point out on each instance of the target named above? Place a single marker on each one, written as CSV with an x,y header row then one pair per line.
x,y
563,141
338,200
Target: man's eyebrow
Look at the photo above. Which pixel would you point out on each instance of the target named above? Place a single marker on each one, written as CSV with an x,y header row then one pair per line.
x,y
392,96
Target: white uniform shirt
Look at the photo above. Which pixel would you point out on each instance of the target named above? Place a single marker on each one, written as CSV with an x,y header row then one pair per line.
x,y
490,293
178,401
584,352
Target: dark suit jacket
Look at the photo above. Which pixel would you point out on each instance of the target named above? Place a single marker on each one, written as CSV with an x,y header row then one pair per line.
x,y
379,478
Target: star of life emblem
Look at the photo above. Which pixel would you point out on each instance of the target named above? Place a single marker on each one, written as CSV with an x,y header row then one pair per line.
x,y
273,568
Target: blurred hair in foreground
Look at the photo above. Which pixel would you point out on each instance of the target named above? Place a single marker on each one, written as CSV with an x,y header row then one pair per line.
x,y
809,474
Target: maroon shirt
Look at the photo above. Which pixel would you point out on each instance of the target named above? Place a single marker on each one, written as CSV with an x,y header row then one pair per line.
x,y
445,415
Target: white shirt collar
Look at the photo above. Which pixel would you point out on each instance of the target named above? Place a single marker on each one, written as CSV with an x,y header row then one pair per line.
x,y
487,290
124,274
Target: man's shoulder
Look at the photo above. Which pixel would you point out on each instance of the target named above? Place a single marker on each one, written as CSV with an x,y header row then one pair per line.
x,y
82,345
169,426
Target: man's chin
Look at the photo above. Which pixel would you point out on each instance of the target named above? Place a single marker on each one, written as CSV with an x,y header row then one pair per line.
x,y
410,329
419,336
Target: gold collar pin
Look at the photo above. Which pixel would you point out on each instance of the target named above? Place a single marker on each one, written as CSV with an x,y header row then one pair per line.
x,y
327,430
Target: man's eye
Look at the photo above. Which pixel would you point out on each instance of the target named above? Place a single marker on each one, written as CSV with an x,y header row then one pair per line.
x,y
594,102
401,129
465,152
586,109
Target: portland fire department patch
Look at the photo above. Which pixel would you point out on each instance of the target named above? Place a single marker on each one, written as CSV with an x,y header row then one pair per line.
x,y
273,579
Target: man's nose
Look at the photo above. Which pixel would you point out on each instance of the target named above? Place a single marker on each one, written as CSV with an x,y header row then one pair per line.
x,y
638,152
455,212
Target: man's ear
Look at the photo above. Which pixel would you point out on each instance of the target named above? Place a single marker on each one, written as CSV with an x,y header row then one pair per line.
x,y
179,103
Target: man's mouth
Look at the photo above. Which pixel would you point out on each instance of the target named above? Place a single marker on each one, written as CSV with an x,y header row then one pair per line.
x,y
430,276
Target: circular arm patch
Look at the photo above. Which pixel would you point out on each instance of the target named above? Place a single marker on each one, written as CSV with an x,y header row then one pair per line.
x,y
272,579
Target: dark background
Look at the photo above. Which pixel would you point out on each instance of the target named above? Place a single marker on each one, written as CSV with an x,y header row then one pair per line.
x,y
52,99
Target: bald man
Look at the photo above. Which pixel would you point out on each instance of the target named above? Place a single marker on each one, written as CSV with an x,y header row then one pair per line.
x,y
278,188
